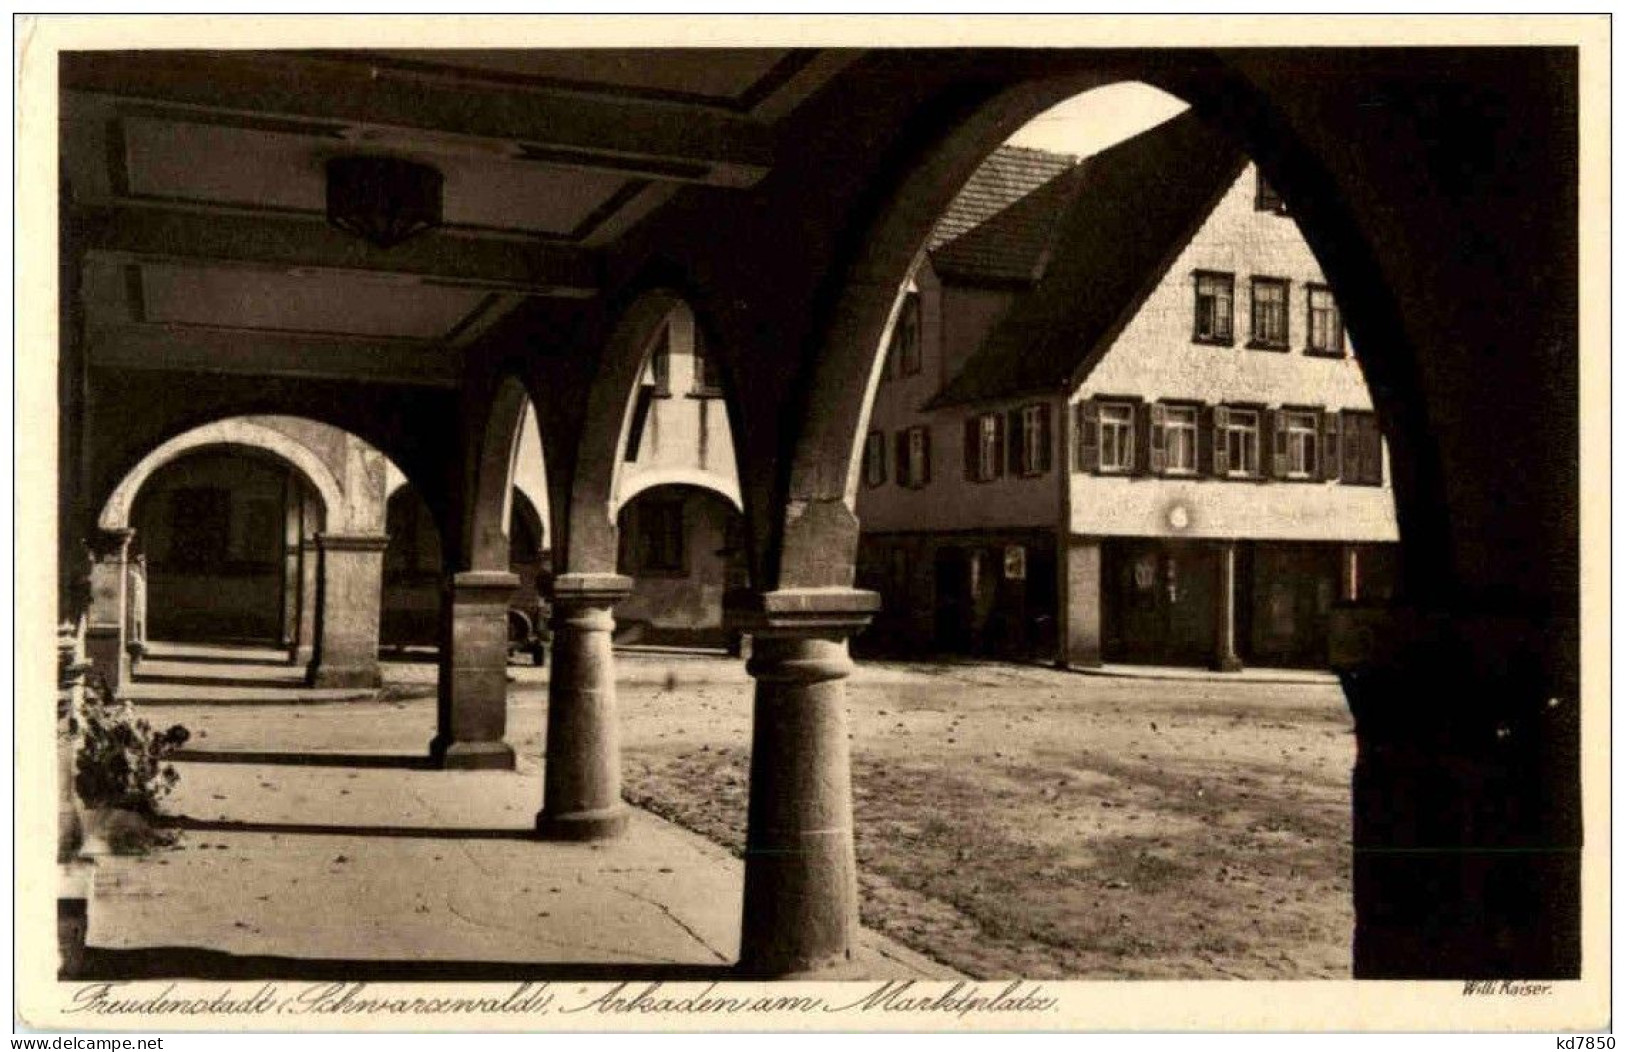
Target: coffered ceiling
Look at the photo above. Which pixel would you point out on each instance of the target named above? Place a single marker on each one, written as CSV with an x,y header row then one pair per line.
x,y
196,182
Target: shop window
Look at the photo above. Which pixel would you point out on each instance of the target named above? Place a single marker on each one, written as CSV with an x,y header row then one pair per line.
x,y
1215,307
1269,301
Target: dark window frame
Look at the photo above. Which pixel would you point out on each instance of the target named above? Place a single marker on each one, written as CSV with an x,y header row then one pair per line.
x,y
905,353
1228,337
650,514
1265,197
1256,342
1339,338
874,454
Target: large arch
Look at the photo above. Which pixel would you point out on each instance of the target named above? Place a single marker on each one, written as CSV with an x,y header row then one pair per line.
x,y
490,492
817,536
586,543
115,511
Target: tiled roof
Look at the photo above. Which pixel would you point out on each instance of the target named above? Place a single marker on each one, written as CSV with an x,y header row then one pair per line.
x,y
1000,225
1138,205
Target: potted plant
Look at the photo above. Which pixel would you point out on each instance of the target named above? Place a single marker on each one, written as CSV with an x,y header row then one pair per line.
x,y
121,773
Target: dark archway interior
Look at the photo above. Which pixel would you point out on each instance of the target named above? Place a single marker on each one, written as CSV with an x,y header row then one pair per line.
x,y
219,531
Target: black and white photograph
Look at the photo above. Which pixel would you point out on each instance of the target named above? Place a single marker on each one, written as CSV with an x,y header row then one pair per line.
x,y
812,524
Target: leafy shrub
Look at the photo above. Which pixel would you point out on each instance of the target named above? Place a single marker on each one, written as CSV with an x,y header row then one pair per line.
x,y
121,761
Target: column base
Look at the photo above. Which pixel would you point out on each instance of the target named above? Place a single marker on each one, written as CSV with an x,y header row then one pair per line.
x,y
327,676
837,968
472,756
1227,665
301,655
584,825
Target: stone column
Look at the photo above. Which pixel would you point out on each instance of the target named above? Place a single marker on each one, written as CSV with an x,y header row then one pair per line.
x,y
473,698
304,648
1224,616
1078,638
348,597
582,796
801,907
1466,795
107,625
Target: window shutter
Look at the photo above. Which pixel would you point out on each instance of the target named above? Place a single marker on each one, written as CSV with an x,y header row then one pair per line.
x,y
925,457
1157,438
1274,421
1014,442
902,459
1331,446
998,445
1046,438
1142,438
1089,437
1219,460
973,448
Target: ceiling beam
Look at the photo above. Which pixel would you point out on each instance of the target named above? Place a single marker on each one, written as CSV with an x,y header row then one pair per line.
x,y
675,141
283,243
178,348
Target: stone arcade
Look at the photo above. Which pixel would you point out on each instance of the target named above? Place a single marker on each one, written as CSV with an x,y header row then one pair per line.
x,y
783,196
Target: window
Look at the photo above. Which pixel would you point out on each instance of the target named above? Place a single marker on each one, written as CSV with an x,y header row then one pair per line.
x,y
1035,439
874,459
905,338
984,447
1116,437
1215,299
1325,323
1269,313
914,457
660,538
659,374
1235,442
1362,449
1178,438
1267,200
1298,444
707,374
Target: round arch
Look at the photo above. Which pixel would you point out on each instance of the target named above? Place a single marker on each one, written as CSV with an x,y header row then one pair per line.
x,y
115,511
821,478
727,489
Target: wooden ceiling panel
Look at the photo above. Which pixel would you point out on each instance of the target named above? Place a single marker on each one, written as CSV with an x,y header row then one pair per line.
x,y
329,304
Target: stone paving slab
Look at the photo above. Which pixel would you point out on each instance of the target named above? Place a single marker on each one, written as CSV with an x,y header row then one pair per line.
x,y
386,865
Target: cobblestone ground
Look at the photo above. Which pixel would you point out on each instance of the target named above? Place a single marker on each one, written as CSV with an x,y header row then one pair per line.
x,y
1016,820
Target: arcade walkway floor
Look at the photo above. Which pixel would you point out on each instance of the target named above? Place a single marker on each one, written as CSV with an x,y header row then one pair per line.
x,y
1010,821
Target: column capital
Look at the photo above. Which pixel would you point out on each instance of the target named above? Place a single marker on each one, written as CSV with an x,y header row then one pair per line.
x,y
607,588
352,542
108,543
472,584
828,612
